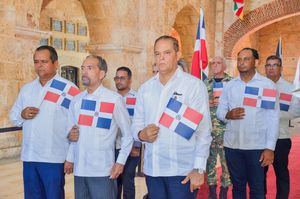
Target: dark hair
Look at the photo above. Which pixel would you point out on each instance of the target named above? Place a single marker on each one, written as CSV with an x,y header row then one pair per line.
x,y
166,37
254,52
274,57
52,51
101,62
126,69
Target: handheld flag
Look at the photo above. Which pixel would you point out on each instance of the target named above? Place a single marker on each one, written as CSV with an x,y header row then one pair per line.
x,y
238,8
180,118
200,60
61,93
130,103
218,88
285,101
96,114
259,97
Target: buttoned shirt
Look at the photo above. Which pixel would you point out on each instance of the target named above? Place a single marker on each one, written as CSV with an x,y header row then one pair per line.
x,y
259,127
284,86
94,152
131,94
171,154
45,136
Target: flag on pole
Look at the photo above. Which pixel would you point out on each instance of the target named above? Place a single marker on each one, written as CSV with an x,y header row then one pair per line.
x,y
296,92
279,49
200,60
238,8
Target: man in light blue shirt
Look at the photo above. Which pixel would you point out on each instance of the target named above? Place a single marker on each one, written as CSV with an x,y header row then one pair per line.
x,y
247,106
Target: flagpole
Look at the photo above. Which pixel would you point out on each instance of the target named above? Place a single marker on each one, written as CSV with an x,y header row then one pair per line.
x,y
200,52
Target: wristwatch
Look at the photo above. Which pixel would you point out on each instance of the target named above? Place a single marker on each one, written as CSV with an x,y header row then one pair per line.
x,y
200,171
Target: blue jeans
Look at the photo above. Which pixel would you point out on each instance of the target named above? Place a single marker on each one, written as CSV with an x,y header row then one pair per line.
x,y
168,188
43,180
244,167
95,188
126,179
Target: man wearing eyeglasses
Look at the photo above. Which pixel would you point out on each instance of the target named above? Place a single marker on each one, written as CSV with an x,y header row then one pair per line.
x,y
247,106
126,179
289,109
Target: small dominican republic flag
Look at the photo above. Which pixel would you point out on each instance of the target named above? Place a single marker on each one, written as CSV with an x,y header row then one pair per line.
x,y
96,114
180,118
61,93
260,97
200,60
130,103
218,88
285,100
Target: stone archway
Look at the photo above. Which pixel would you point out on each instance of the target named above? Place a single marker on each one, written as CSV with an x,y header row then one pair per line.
x,y
256,19
186,22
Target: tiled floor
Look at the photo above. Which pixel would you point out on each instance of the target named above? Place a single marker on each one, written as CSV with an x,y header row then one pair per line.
x,y
11,184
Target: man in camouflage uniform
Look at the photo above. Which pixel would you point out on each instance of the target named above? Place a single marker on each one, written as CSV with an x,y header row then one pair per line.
x,y
218,79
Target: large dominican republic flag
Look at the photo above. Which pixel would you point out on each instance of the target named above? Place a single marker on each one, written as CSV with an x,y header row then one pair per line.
x,y
61,93
96,114
180,118
200,60
260,97
285,100
238,8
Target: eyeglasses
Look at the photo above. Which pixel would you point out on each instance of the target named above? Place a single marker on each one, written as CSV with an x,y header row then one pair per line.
x,y
272,65
116,78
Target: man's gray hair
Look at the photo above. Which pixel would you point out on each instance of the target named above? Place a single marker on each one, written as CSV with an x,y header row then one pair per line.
x,y
101,62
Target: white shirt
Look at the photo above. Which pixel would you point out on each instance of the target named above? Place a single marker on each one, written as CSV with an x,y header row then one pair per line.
x,y
45,136
171,154
259,128
94,152
131,94
284,86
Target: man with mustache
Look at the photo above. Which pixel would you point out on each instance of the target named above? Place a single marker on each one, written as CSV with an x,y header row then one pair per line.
x,y
94,118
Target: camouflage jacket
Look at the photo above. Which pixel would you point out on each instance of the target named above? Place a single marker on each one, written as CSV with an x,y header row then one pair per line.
x,y
218,126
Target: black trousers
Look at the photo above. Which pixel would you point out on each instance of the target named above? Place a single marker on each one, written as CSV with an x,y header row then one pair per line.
x,y
280,165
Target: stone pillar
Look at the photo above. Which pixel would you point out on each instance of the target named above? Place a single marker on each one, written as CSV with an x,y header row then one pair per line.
x,y
16,67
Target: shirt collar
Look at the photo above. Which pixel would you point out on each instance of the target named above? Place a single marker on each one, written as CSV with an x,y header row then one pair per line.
x,y
178,73
96,92
255,77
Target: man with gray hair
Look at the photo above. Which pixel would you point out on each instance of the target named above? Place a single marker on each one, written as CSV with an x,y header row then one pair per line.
x,y
94,118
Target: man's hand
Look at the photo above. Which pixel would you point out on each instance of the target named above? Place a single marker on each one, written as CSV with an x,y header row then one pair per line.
x,y
74,134
267,157
29,113
116,171
196,180
235,114
68,167
135,152
149,133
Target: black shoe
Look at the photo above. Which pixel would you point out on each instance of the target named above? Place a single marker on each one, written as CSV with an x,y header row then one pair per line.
x,y
212,192
223,192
